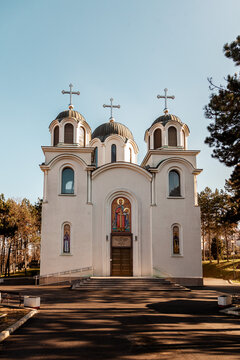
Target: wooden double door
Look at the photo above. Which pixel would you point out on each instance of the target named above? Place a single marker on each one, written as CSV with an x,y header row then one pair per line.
x,y
121,255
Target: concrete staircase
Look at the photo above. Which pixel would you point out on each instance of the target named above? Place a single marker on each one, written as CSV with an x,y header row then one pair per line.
x,y
126,284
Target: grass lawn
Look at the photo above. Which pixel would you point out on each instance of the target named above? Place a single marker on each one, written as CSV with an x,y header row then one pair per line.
x,y
29,273
223,270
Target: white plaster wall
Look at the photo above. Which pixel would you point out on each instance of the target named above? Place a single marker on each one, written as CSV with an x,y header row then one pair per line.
x,y
120,148
169,211
127,153
135,186
66,208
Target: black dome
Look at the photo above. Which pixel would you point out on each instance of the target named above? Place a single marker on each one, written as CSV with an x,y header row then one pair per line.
x,y
110,128
69,113
165,118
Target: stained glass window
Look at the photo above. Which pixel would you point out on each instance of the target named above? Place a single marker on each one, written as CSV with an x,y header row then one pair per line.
x,y
67,181
66,239
176,245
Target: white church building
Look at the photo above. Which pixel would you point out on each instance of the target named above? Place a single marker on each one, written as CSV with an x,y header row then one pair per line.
x,y
103,210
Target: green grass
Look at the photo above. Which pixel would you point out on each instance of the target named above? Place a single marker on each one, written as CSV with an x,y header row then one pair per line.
x,y
29,273
223,270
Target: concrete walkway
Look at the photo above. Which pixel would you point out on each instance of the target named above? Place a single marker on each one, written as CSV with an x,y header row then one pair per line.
x,y
122,325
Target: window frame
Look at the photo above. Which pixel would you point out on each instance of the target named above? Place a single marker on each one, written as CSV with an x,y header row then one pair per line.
x,y
67,166
180,184
180,240
112,153
73,134
54,129
161,139
62,253
172,126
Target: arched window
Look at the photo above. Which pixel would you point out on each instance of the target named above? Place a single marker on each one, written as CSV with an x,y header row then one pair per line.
x,y
130,155
67,181
175,240
68,134
66,238
157,138
172,136
56,136
174,183
113,153
95,160
82,137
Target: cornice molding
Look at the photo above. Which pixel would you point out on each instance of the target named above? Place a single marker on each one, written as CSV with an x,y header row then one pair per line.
x,y
168,151
122,164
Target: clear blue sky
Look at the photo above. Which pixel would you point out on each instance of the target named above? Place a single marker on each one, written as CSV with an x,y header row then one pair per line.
x,y
126,49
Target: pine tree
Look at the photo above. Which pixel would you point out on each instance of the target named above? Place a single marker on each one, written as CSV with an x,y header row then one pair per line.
x,y
224,110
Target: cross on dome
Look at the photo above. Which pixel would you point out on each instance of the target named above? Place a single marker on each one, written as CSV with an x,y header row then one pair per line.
x,y
111,119
71,93
165,97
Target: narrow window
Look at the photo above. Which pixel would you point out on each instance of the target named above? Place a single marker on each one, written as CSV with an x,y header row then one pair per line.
x,y
96,156
149,143
56,136
68,134
82,137
175,239
113,153
66,239
157,138
174,183
67,181
172,136
130,154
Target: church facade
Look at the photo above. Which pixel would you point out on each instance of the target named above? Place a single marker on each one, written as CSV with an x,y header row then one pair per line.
x,y
102,209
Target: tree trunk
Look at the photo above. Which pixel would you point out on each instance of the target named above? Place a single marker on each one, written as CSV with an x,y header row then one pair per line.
x,y
209,245
226,242
7,268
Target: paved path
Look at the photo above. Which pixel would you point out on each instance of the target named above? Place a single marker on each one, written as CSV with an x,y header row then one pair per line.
x,y
124,326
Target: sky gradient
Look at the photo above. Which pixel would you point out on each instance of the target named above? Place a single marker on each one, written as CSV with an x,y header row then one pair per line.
x,y
129,50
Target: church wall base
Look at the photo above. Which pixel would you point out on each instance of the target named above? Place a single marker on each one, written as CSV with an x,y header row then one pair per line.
x,y
188,281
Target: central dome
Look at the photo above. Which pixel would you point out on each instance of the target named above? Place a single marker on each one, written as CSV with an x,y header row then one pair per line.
x,y
110,128
164,119
70,114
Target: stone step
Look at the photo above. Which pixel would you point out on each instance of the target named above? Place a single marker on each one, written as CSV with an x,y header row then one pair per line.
x,y
126,284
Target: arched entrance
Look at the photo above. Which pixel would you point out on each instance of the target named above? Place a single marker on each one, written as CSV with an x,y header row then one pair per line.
x,y
121,238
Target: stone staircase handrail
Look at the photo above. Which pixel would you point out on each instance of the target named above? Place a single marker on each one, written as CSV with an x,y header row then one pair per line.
x,y
61,273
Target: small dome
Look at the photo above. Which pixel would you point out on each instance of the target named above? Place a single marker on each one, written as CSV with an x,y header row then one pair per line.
x,y
164,119
70,113
110,128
